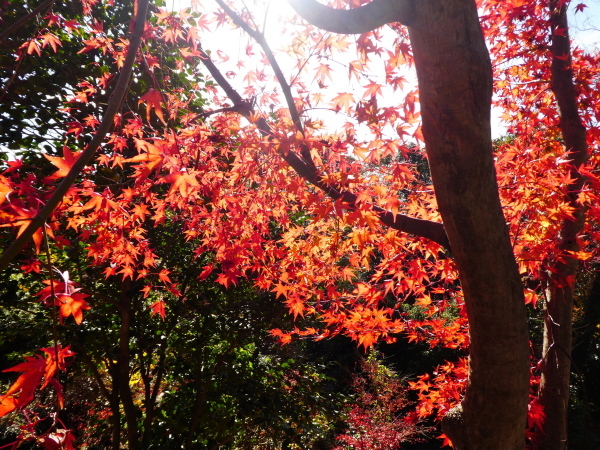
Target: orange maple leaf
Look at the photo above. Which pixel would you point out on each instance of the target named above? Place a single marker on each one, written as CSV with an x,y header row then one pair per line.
x,y
153,99
158,307
33,46
206,271
372,89
22,391
296,307
23,219
5,188
447,442
66,296
368,339
281,336
73,304
50,39
163,275
55,361
182,181
323,72
64,164
342,101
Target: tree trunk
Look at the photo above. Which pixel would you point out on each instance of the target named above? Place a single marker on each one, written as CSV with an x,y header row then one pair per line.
x,y
115,408
124,370
558,312
455,89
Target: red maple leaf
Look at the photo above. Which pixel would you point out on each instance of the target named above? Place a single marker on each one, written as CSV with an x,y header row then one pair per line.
x,y
182,181
50,39
71,25
67,297
153,99
36,368
158,307
32,46
22,391
23,220
73,304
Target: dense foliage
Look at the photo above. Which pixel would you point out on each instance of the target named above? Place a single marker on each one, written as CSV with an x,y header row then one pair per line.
x,y
223,211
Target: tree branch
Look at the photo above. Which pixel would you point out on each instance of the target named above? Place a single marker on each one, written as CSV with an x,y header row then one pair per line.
x,y
358,20
107,120
285,86
433,231
26,18
260,38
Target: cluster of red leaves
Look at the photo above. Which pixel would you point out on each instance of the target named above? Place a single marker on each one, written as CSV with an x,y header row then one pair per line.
x,y
67,296
533,167
442,392
376,421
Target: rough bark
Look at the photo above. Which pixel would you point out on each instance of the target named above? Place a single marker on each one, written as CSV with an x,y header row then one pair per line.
x,y
455,88
558,311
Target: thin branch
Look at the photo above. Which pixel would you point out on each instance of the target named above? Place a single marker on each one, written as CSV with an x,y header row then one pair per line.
x,y
358,20
433,231
260,39
111,110
87,359
26,18
285,86
54,298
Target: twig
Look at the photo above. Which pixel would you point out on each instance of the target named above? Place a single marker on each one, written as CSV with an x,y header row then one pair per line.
x,y
20,22
433,231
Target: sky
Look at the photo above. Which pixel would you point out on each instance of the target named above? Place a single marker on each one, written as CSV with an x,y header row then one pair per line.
x,y
584,29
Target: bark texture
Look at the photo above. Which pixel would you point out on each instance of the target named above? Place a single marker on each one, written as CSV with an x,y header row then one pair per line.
x,y
558,312
455,87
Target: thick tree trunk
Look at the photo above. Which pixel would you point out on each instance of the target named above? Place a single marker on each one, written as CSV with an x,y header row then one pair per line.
x,y
455,89
558,313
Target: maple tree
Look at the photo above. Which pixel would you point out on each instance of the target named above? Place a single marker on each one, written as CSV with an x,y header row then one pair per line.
x,y
345,224
224,352
377,421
